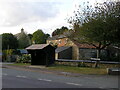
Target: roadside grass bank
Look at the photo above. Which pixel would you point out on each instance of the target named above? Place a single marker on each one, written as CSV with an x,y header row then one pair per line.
x,y
86,69
20,64
80,70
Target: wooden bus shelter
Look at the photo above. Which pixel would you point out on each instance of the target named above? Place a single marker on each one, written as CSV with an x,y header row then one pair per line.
x,y
41,54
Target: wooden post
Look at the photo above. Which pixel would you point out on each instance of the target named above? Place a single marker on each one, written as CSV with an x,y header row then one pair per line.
x,y
97,60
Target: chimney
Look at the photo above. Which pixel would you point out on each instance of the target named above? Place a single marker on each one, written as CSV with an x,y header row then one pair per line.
x,y
22,30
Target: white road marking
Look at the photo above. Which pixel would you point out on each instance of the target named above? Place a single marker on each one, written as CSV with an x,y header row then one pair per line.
x,y
21,76
45,80
5,74
101,87
87,77
74,84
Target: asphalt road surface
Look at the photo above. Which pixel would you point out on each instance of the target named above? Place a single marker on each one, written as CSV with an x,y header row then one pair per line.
x,y
12,78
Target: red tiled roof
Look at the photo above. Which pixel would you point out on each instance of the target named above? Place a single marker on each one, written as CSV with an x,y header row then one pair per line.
x,y
83,45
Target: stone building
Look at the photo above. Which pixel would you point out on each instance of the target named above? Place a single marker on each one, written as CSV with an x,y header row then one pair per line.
x,y
79,50
23,39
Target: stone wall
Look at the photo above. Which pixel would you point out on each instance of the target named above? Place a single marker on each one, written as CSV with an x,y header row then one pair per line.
x,y
75,53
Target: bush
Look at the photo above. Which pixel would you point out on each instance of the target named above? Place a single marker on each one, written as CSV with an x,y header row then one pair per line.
x,y
115,58
82,64
7,55
26,58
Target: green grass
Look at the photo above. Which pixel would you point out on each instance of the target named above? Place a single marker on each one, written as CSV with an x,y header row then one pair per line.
x,y
102,70
20,64
80,70
88,69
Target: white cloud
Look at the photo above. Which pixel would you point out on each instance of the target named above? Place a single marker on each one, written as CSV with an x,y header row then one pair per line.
x,y
16,13
33,15
36,14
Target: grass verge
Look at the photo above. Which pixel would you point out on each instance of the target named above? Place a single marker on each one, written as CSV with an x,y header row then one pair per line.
x,y
20,64
102,70
80,70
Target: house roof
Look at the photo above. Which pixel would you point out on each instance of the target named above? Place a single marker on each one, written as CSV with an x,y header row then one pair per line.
x,y
59,49
37,46
19,34
83,45
80,45
56,37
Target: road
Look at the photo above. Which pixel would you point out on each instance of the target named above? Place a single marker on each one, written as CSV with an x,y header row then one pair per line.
x,y
12,78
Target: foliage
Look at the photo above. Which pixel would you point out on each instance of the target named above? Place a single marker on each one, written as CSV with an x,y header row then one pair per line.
x,y
46,37
7,54
0,43
59,31
30,37
23,40
82,64
20,64
114,56
39,37
98,26
25,58
9,41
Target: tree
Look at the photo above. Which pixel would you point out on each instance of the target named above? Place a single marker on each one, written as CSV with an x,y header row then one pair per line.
x,y
100,26
59,31
9,41
46,36
39,37
23,39
30,37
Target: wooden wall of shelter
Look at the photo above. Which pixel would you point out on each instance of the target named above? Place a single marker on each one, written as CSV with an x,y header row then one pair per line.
x,y
43,56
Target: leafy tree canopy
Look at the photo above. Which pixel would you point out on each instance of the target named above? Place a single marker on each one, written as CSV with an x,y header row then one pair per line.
x,y
30,36
99,25
39,37
9,41
59,31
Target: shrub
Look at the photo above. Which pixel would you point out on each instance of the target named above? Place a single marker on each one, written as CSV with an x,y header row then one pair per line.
x,y
25,58
7,55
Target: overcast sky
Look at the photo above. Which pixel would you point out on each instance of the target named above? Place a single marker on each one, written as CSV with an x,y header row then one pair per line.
x,y
36,14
